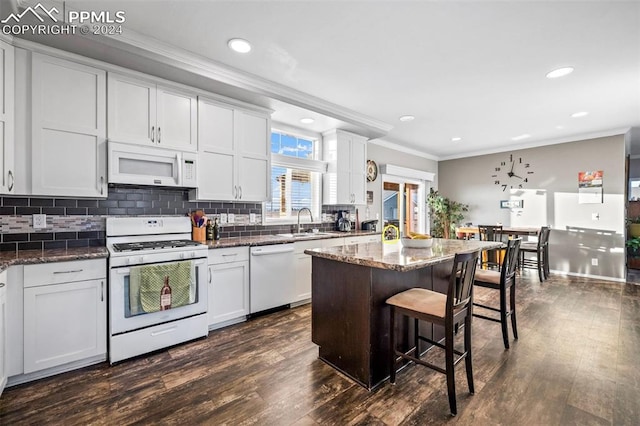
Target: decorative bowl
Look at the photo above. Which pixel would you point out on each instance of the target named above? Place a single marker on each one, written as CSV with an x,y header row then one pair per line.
x,y
417,243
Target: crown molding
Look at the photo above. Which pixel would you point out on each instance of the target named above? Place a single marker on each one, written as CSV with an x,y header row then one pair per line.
x,y
573,138
406,150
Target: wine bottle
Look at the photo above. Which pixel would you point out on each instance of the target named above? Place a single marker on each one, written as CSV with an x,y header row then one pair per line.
x,y
216,230
165,295
209,230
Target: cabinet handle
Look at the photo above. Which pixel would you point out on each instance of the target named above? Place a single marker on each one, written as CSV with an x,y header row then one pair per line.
x,y
210,274
101,185
102,291
153,133
1,285
68,272
235,191
10,174
159,134
240,197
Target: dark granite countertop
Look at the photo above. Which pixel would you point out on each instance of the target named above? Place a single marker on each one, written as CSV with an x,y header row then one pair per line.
x,y
263,240
396,257
30,257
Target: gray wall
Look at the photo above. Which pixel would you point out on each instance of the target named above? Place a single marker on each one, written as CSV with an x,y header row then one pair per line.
x,y
384,155
551,197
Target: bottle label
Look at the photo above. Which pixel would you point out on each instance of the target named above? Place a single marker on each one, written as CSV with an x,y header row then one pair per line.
x,y
165,301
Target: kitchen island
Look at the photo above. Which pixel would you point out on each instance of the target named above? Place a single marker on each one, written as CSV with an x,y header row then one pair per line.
x,y
350,284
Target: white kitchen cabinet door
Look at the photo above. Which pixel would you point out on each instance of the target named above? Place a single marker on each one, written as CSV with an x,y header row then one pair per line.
x,y
64,323
303,277
228,292
254,168
69,156
176,119
346,178
3,331
7,114
132,110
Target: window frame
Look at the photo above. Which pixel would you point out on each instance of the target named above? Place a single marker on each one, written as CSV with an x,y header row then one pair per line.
x,y
286,161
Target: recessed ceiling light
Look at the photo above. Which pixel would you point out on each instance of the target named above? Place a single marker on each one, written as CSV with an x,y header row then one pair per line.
x,y
520,137
456,139
560,72
407,118
307,120
579,114
239,45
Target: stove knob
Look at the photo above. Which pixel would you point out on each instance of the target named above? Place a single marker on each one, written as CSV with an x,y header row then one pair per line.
x,y
182,255
193,254
141,259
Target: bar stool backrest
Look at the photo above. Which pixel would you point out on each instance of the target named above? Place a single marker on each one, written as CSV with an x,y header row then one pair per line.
x,y
490,232
510,262
461,281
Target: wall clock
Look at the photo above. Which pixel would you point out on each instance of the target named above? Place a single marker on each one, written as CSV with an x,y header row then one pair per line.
x,y
372,170
513,173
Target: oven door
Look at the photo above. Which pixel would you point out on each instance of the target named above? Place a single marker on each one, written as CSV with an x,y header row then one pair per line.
x,y
137,297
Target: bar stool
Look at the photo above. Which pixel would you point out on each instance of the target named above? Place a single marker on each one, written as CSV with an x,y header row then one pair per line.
x,y
502,280
447,310
541,250
490,233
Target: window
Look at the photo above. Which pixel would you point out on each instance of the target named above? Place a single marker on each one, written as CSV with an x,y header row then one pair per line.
x,y
295,178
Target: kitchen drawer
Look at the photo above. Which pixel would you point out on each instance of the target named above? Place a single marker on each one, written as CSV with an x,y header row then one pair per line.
x,y
227,255
64,272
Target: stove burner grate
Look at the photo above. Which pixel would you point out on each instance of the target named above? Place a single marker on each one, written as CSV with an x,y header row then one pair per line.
x,y
154,245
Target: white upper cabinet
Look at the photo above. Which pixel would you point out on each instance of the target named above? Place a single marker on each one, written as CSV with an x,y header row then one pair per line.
x,y
7,173
142,112
346,179
68,123
234,156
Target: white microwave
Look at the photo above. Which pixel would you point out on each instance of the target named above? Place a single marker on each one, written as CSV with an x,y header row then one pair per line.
x,y
150,165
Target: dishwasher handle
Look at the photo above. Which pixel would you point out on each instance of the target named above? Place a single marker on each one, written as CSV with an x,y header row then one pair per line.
x,y
269,252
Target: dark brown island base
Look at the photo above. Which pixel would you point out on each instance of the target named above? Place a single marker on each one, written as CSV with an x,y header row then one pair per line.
x,y
350,284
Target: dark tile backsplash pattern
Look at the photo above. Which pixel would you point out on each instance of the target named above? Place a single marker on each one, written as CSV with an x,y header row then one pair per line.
x,y
123,200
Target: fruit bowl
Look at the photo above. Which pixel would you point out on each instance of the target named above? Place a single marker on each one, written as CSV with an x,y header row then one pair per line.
x,y
416,242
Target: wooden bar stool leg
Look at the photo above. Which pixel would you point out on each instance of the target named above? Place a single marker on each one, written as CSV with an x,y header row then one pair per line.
x,y
512,303
451,377
503,317
392,346
468,359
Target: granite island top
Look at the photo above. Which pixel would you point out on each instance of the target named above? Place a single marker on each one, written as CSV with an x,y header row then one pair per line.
x,y
398,258
30,257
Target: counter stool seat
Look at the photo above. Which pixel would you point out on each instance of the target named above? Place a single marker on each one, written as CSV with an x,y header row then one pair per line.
x,y
447,310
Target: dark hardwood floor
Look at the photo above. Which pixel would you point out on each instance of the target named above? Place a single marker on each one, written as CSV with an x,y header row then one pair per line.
x,y
577,362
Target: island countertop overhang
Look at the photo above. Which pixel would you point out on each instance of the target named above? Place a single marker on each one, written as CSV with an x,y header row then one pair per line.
x,y
394,256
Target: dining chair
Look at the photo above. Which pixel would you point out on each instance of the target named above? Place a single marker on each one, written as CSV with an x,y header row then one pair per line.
x,y
541,251
490,258
502,280
448,310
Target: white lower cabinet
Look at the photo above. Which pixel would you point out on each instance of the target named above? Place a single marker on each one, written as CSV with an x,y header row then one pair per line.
x,y
303,269
65,313
228,286
363,239
3,331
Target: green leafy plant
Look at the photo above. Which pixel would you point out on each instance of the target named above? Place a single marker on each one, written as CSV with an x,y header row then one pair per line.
x,y
445,213
633,246
633,219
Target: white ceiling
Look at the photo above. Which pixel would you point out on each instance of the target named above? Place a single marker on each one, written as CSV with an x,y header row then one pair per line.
x,y
472,69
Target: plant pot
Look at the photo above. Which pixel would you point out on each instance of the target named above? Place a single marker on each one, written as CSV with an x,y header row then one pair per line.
x,y
634,229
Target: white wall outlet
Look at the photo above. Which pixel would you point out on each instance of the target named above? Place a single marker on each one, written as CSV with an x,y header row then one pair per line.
x,y
594,261
39,221
231,218
252,218
223,218
595,216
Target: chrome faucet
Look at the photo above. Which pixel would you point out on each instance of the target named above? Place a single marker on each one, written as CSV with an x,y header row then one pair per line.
x,y
310,215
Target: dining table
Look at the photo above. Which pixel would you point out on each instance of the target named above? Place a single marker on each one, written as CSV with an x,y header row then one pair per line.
x,y
465,232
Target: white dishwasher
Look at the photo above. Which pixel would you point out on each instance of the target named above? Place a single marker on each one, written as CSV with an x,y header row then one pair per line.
x,y
272,277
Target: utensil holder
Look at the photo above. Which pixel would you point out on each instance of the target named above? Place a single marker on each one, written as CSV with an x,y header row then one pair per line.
x,y
199,234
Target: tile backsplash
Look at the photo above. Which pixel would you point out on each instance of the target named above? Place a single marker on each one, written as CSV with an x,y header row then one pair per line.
x,y
81,222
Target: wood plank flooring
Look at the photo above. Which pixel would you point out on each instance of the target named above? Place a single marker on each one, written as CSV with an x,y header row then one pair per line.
x,y
576,362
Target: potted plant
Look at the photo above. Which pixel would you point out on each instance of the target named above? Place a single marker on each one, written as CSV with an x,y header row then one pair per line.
x,y
445,213
634,226
633,247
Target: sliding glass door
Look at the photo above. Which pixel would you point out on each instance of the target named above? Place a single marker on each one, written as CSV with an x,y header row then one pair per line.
x,y
403,204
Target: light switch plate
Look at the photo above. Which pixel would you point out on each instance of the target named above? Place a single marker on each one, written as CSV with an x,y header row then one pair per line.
x,y
39,221
231,218
223,218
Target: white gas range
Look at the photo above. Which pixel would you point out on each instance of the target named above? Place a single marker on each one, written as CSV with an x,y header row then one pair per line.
x,y
157,285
